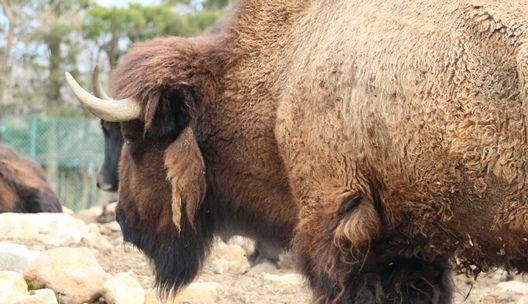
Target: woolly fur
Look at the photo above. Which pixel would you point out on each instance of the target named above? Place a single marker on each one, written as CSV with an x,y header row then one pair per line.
x,y
23,185
416,107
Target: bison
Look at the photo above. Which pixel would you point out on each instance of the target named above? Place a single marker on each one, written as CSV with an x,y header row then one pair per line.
x,y
399,128
108,180
23,185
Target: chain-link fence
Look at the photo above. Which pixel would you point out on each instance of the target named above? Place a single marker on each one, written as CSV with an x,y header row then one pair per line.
x,y
70,150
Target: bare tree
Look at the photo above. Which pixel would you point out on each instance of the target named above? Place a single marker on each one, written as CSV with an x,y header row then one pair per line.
x,y
11,16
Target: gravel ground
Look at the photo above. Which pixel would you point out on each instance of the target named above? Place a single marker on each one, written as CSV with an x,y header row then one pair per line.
x,y
234,281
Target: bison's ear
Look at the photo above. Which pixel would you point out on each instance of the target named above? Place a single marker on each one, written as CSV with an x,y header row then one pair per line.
x,y
186,174
167,112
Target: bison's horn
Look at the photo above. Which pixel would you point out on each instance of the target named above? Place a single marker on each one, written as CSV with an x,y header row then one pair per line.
x,y
109,110
96,84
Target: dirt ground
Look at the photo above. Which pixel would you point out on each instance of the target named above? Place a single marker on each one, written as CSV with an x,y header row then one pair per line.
x,y
264,283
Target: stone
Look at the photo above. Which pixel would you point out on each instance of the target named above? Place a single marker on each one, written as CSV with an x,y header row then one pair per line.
x,y
199,292
67,210
227,258
247,244
12,285
93,227
40,296
513,286
108,213
287,260
265,267
14,257
89,215
110,229
195,293
123,289
73,273
57,229
96,241
289,278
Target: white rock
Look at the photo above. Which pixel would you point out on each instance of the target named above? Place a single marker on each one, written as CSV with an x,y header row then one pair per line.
x,y
113,226
247,244
514,286
287,260
71,272
89,215
67,210
40,296
200,292
227,258
12,285
14,257
93,227
264,267
57,229
110,229
289,278
108,213
123,289
97,241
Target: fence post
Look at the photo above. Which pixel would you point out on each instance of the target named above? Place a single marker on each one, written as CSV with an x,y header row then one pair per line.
x,y
33,146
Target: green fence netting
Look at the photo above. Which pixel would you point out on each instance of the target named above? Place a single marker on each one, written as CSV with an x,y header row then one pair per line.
x,y
70,150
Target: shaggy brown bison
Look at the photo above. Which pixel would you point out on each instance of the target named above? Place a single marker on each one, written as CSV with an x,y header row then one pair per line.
x,y
108,180
399,127
23,185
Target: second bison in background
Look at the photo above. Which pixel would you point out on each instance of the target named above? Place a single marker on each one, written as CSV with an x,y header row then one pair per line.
x,y
23,185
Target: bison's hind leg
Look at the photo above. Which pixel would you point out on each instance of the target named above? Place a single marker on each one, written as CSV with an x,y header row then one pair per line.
x,y
342,255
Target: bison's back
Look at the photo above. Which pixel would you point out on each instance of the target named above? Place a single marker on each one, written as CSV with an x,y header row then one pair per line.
x,y
417,103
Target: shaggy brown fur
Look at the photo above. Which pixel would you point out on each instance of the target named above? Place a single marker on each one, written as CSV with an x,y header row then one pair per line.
x,y
107,179
391,123
23,185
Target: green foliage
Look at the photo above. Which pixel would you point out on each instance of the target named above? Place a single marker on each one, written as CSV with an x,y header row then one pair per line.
x,y
60,35
113,29
215,4
197,23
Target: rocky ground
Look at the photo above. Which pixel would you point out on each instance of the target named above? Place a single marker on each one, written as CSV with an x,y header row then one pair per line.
x,y
61,258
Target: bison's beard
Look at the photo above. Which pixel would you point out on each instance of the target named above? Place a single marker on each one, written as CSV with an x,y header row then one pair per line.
x,y
176,256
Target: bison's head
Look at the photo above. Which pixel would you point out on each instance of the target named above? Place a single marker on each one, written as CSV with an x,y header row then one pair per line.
x,y
162,183
107,177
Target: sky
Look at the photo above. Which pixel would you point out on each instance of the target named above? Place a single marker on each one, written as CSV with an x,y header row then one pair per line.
x,y
123,2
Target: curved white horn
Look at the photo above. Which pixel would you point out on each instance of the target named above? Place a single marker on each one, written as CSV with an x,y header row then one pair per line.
x,y
96,84
109,110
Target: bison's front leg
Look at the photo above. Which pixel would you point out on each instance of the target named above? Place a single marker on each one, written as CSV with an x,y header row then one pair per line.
x,y
341,253
416,281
